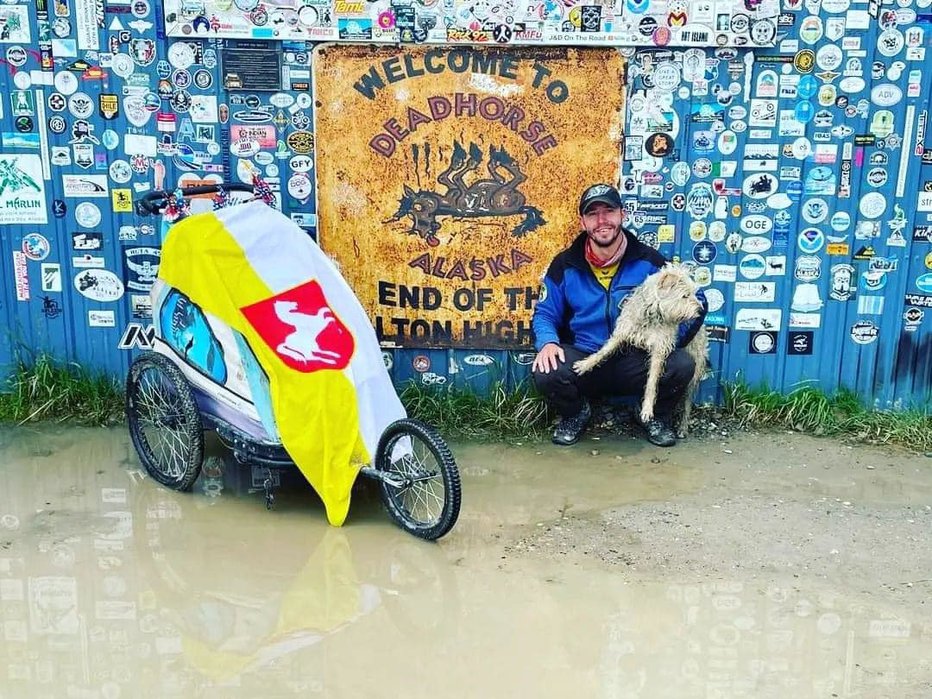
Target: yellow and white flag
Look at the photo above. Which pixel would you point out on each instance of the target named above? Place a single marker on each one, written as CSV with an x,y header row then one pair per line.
x,y
257,271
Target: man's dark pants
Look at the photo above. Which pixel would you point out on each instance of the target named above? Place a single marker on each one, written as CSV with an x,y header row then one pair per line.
x,y
622,374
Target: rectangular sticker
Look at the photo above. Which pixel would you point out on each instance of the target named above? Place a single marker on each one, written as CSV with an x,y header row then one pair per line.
x,y
22,190
21,275
86,19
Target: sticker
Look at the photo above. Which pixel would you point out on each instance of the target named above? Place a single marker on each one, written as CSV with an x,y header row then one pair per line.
x,y
87,215
99,285
101,319
142,267
760,186
51,277
808,268
85,186
762,342
811,240
758,319
799,342
22,194
872,205
36,246
842,286
814,210
66,82
21,275
122,200
752,266
864,332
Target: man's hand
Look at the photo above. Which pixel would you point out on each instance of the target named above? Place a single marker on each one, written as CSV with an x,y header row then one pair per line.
x,y
546,359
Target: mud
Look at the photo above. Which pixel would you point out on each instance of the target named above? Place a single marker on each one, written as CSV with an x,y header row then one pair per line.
x,y
752,565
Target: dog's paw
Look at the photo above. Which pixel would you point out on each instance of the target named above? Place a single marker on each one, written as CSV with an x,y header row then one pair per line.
x,y
646,415
580,367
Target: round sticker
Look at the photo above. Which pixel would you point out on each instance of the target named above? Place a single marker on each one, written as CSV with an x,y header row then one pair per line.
x,y
890,42
811,240
181,55
57,102
57,125
122,65
801,148
864,332
666,77
872,205
299,186
203,79
829,57
715,299
110,139
61,27
727,142
752,266
36,246
659,145
763,31
877,176
81,105
16,56
841,220
763,342
66,82
717,231
814,210
680,173
87,215
120,171
22,80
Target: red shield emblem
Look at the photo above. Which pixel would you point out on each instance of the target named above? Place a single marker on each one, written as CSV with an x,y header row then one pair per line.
x,y
301,328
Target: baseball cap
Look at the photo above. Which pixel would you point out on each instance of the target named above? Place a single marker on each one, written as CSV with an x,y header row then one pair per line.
x,y
604,193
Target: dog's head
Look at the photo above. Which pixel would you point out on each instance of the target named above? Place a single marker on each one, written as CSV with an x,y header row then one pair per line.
x,y
672,294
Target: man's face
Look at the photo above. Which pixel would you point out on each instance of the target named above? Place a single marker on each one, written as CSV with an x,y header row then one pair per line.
x,y
602,223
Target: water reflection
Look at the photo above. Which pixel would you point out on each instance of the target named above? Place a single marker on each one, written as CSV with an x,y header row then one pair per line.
x,y
113,586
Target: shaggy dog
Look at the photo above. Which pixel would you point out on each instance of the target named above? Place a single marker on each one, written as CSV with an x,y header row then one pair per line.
x,y
650,318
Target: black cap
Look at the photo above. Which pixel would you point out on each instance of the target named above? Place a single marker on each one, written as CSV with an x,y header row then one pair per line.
x,y
604,193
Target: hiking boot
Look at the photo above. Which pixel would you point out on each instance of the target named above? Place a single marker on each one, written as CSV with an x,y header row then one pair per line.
x,y
569,428
659,433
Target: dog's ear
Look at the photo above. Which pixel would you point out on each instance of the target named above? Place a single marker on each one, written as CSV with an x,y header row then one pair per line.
x,y
666,281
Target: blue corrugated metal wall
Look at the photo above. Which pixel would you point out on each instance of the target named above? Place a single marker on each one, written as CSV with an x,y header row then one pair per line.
x,y
835,290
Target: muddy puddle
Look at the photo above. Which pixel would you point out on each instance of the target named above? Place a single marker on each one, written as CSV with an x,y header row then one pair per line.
x,y
113,586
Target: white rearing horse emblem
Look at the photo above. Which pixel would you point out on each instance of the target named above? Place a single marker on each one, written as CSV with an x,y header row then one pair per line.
x,y
302,344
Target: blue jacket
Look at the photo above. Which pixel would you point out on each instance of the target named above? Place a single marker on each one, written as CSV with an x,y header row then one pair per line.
x,y
575,309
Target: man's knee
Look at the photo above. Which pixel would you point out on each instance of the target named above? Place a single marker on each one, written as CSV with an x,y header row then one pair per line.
x,y
547,382
679,368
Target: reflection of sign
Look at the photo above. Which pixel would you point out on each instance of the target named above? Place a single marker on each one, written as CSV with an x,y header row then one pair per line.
x,y
22,192
460,173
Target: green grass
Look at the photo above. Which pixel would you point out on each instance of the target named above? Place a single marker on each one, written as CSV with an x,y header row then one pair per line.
x,y
47,390
461,414
808,409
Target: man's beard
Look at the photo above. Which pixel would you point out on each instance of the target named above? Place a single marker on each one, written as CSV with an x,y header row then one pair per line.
x,y
610,243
